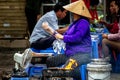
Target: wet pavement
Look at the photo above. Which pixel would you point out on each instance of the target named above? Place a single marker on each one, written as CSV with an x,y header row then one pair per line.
x,y
7,62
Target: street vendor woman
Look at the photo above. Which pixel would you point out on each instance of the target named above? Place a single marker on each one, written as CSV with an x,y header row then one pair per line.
x,y
77,39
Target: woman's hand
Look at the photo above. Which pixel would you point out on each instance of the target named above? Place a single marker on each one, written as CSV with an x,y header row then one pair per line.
x,y
58,36
105,36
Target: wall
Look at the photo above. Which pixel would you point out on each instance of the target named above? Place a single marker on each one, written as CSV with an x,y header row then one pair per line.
x,y
13,24
12,19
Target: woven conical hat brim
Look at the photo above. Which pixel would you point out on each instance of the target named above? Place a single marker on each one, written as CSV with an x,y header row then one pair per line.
x,y
78,7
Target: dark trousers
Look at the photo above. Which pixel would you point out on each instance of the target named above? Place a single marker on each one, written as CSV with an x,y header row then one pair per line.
x,y
43,43
61,59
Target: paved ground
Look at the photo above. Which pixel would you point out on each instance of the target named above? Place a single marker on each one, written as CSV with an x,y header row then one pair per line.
x,y
7,62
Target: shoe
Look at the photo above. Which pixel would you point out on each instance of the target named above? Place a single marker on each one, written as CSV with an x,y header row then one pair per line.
x,y
70,64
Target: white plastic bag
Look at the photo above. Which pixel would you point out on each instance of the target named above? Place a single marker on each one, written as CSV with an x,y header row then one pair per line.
x,y
58,46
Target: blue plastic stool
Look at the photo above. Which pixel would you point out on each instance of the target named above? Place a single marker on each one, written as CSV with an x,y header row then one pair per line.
x,y
83,71
36,70
48,50
95,53
19,78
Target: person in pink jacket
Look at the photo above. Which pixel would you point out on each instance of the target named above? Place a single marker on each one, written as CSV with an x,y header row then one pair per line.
x,y
111,42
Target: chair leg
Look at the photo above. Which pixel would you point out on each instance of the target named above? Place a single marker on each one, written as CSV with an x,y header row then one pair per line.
x,y
83,72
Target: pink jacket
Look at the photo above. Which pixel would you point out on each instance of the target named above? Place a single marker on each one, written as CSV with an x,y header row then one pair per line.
x,y
115,36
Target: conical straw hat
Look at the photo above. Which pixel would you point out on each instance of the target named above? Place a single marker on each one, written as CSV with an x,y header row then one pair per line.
x,y
78,7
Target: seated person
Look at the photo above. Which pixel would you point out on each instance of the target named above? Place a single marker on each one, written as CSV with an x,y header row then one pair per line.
x,y
39,38
111,41
77,39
